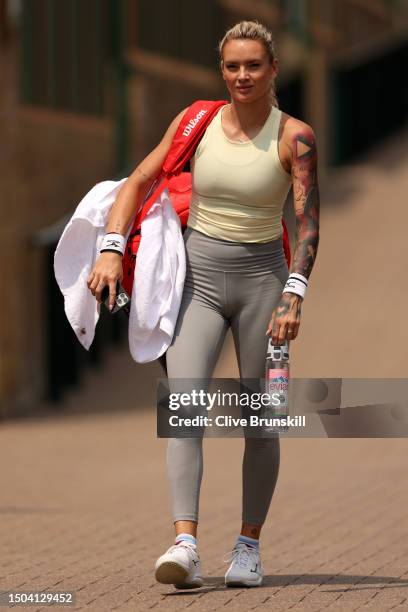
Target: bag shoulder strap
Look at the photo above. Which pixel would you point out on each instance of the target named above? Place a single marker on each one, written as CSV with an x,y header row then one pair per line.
x,y
189,133
185,141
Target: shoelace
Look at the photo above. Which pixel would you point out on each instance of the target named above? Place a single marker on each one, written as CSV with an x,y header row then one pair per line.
x,y
243,555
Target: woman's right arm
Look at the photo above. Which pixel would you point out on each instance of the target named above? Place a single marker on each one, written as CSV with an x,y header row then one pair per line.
x,y
108,267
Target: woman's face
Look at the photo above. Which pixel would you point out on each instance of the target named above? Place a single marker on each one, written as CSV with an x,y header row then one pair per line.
x,y
246,69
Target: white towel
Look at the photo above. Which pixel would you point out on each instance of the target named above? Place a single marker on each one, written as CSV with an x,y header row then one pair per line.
x,y
159,275
159,281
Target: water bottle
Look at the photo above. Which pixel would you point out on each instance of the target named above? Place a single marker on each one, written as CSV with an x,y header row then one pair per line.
x,y
277,384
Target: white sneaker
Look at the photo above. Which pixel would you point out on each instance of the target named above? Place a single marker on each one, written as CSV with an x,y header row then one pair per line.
x,y
246,568
180,565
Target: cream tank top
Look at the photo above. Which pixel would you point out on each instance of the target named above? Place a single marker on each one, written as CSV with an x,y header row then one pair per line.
x,y
239,188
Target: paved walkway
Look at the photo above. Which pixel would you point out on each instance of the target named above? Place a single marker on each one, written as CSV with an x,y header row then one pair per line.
x,y
85,507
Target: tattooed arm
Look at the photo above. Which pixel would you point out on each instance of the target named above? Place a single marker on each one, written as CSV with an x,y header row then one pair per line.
x,y
301,147
306,200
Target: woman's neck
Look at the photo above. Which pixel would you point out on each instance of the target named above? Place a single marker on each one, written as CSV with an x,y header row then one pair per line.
x,y
249,116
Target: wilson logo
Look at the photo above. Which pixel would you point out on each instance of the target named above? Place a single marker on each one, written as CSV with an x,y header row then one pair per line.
x,y
193,122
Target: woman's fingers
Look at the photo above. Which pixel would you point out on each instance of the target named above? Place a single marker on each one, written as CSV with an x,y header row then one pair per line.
x,y
112,293
90,279
292,331
285,319
270,325
99,288
94,283
282,333
98,285
276,327
107,271
280,329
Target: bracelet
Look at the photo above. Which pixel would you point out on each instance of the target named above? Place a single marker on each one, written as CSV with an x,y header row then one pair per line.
x,y
296,283
113,242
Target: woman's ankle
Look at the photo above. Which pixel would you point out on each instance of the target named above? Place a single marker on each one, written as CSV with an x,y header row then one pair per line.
x,y
251,530
186,527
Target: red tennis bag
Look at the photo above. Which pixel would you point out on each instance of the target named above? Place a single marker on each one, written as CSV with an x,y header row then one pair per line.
x,y
189,133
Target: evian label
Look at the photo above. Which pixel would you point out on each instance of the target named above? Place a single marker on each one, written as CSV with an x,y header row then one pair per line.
x,y
193,122
278,382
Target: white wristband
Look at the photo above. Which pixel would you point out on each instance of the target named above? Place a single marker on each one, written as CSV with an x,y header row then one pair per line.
x,y
296,283
113,242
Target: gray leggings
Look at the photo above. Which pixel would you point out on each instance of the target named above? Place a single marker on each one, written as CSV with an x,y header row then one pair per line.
x,y
228,284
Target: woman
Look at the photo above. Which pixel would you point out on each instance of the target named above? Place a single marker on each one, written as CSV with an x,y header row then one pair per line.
x,y
250,156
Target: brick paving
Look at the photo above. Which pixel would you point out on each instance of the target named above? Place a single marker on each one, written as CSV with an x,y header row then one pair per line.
x,y
85,507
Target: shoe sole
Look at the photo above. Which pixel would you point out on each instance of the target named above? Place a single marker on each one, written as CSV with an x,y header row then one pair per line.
x,y
247,583
190,585
170,572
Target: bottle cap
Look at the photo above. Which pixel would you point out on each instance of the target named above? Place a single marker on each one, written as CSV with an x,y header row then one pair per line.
x,y
277,352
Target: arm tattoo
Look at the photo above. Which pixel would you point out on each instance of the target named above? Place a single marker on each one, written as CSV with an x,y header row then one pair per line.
x,y
286,305
306,201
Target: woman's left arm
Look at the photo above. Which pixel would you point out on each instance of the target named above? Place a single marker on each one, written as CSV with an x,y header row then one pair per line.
x,y
285,320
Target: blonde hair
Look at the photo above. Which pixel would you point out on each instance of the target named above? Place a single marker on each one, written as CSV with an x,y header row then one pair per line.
x,y
252,30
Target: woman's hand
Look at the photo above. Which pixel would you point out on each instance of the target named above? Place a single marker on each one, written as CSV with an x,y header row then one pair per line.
x,y
285,320
106,271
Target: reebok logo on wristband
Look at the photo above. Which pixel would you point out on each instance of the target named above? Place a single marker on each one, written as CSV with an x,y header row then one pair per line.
x,y
114,243
297,284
